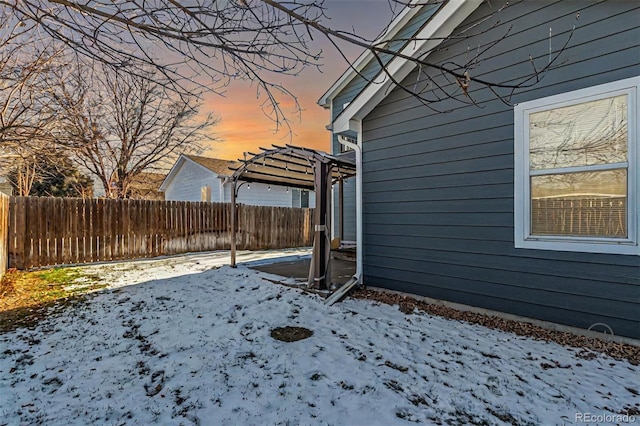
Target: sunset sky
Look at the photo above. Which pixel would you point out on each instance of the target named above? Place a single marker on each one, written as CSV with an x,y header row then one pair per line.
x,y
244,127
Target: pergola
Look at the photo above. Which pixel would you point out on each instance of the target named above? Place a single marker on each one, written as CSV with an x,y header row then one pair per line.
x,y
302,168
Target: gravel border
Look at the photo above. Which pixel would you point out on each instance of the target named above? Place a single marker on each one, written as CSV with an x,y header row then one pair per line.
x,y
589,346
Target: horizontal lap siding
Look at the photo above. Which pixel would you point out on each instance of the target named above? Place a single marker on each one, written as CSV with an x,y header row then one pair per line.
x,y
347,95
438,187
259,194
372,68
349,210
188,182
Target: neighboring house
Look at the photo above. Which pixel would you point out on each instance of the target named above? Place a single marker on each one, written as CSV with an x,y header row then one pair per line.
x,y
196,178
530,209
5,186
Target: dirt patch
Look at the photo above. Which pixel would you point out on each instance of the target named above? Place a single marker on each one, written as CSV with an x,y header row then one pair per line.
x,y
291,334
408,305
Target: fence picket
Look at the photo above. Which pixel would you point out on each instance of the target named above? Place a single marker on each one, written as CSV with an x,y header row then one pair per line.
x,y
113,228
44,238
4,234
43,231
85,229
15,238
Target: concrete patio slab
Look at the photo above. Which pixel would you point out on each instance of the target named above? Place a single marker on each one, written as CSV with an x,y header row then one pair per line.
x,y
341,270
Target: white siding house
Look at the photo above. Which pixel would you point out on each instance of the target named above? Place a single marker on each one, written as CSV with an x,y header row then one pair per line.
x,y
5,186
193,177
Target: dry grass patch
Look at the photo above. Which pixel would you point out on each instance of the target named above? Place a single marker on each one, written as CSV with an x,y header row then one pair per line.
x,y
27,297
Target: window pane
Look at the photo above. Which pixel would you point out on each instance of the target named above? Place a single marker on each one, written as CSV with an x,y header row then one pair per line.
x,y
592,204
579,135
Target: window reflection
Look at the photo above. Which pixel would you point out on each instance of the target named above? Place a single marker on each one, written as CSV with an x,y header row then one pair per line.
x,y
584,134
590,204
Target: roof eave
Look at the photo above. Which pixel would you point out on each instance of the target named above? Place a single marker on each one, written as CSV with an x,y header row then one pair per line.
x,y
441,25
396,25
172,173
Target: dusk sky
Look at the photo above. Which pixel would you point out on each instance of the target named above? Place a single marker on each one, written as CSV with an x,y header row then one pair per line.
x,y
244,127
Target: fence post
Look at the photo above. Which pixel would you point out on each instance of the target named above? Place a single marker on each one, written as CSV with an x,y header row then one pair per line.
x,y
4,233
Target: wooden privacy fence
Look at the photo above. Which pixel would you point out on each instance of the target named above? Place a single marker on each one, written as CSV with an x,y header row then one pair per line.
x,y
4,233
47,231
594,216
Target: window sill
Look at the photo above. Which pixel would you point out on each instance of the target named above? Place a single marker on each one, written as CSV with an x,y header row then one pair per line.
x,y
624,247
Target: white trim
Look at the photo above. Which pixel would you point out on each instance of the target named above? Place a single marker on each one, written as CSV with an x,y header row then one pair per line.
x,y
441,25
357,147
522,197
358,65
172,173
578,169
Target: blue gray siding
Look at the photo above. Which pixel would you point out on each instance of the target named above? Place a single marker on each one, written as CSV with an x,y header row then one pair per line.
x,y
438,187
349,210
345,96
372,68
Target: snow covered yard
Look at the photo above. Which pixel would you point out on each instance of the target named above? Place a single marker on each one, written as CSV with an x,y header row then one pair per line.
x,y
183,341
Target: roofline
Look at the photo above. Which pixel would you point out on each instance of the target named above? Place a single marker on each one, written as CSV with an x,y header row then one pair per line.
x,y
358,65
440,26
220,175
176,167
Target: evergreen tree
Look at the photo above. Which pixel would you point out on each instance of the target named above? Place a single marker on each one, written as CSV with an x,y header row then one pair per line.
x,y
55,178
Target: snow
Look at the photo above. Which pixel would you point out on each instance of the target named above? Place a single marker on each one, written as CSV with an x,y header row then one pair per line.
x,y
186,340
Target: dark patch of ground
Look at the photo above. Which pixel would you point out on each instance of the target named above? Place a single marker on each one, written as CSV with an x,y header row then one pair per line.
x,y
291,334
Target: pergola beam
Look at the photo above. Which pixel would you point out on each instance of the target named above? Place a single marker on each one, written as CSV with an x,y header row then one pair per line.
x,y
291,183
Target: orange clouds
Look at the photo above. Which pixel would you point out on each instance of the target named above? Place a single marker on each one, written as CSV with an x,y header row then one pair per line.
x,y
245,127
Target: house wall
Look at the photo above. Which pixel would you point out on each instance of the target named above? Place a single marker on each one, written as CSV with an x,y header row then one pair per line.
x,y
345,96
349,210
189,180
5,187
191,177
258,194
438,187
296,196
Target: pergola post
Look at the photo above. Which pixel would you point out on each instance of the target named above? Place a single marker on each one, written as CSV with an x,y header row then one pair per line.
x,y
232,232
341,209
321,240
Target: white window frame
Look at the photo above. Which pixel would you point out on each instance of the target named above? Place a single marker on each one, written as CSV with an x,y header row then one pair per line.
x,y
522,174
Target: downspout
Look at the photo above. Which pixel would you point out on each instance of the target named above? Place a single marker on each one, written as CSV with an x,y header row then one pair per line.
x,y
357,147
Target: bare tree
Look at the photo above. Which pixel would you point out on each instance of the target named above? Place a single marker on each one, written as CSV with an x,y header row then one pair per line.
x,y
26,116
256,40
119,125
26,65
22,171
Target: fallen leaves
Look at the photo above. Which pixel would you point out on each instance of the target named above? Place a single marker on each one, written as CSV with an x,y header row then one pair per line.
x,y
409,305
